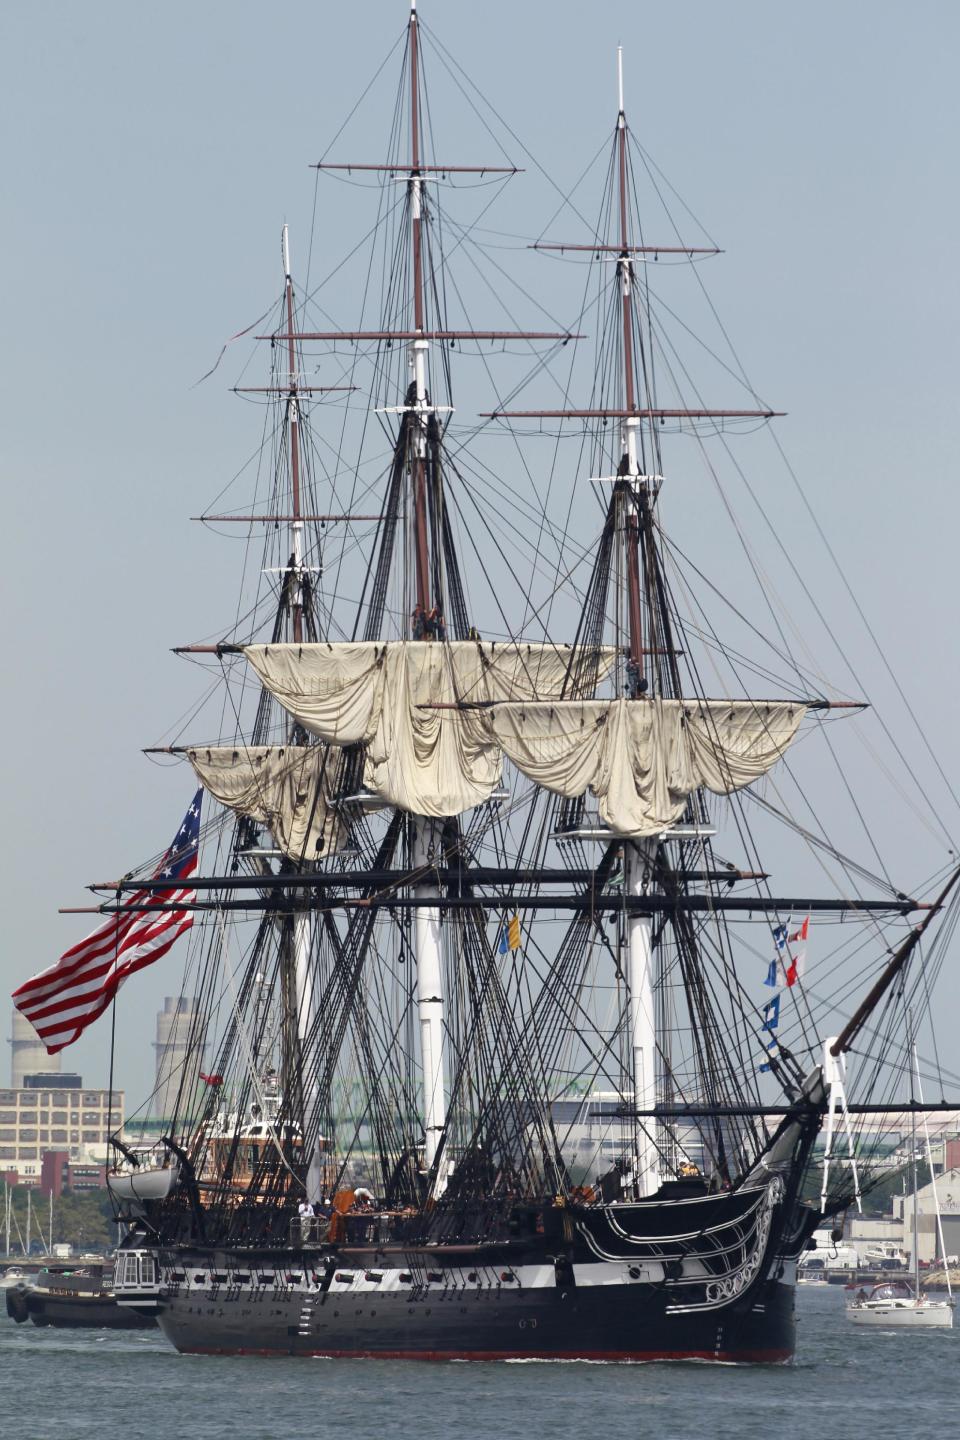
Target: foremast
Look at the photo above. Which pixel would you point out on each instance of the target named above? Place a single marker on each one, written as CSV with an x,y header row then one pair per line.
x,y
426,622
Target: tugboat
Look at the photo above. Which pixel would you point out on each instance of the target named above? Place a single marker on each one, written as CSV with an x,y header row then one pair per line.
x,y
73,1299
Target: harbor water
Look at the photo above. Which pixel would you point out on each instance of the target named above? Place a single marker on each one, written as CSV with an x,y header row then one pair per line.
x,y
74,1384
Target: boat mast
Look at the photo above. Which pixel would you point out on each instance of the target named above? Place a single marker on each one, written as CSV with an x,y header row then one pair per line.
x,y
302,966
414,447
933,1183
425,624
639,854
913,1169
293,436
418,346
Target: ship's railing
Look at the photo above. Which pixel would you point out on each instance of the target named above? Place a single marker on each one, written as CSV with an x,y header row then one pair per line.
x,y
309,1230
360,1228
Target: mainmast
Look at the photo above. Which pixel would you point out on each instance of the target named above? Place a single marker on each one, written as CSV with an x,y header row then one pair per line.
x,y
303,961
293,438
630,421
425,624
417,450
419,347
639,855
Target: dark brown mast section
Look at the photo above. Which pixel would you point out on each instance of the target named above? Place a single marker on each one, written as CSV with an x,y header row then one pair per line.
x,y
293,431
628,457
418,437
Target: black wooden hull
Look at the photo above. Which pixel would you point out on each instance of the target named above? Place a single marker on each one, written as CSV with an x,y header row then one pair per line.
x,y
698,1277
606,1322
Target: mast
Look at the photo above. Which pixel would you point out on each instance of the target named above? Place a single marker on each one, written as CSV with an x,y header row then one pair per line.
x,y
419,346
426,923
913,1169
639,855
933,1182
302,958
293,433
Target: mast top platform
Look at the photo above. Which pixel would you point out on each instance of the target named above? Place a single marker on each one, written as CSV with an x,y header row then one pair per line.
x,y
408,168
563,335
629,249
624,414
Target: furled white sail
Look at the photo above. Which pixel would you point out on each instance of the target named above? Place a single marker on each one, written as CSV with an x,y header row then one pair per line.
x,y
642,759
283,787
427,760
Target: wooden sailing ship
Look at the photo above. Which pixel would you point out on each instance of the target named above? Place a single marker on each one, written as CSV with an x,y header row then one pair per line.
x,y
490,1080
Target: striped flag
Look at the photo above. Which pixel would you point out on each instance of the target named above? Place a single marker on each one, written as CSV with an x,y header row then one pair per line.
x,y
510,935
64,999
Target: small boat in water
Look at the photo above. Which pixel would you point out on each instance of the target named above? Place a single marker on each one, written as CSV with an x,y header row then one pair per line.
x,y
79,1299
15,1276
895,1303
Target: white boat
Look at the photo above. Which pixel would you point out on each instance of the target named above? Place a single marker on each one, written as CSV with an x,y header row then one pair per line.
x,y
895,1304
14,1276
148,1176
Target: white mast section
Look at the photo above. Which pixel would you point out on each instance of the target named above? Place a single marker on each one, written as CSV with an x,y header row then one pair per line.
x,y
641,975
306,1015
429,953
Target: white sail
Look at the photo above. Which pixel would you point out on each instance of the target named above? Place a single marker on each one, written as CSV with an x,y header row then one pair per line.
x,y
283,787
427,760
642,759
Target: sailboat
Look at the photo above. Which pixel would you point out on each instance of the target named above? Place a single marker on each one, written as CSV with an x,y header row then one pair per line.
x,y
491,1075
893,1304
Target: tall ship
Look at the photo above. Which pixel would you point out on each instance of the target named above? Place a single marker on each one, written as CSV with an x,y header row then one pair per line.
x,y
513,1048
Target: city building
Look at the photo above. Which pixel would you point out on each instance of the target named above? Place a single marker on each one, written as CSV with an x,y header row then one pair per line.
x,y
58,1173
948,1198
69,1119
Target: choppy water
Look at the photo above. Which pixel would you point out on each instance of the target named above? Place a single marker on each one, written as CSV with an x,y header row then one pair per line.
x,y
71,1385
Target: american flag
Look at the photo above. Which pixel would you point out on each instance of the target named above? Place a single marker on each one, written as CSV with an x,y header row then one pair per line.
x,y
64,999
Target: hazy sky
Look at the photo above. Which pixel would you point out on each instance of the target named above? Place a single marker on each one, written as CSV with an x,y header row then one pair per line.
x,y
150,156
